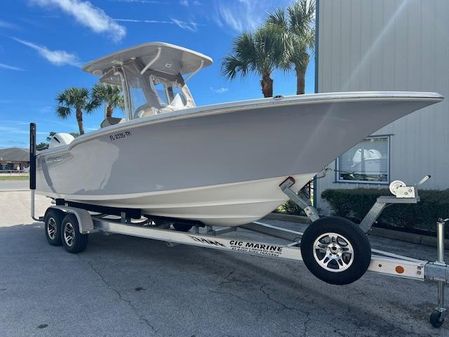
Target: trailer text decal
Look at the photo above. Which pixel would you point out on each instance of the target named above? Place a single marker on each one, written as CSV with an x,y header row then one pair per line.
x,y
256,248
207,241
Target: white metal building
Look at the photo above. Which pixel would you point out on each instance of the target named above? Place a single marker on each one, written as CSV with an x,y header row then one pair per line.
x,y
388,45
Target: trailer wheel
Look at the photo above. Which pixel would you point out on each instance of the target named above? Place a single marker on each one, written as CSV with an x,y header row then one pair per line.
x,y
436,319
52,224
335,250
180,227
72,240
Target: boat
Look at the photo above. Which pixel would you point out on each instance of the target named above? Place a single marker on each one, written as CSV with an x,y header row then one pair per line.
x,y
219,164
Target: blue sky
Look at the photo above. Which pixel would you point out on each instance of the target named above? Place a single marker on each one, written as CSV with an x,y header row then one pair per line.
x,y
43,44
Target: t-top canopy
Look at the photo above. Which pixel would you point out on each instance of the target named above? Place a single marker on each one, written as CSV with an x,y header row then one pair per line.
x,y
158,56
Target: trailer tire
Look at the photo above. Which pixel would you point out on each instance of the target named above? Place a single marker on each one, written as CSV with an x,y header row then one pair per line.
x,y
181,227
436,319
72,239
52,225
335,250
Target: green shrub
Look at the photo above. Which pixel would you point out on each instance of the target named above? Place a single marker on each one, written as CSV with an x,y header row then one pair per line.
x,y
423,215
290,208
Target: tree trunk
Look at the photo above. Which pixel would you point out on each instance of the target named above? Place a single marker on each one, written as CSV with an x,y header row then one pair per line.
x,y
79,119
300,81
109,111
267,85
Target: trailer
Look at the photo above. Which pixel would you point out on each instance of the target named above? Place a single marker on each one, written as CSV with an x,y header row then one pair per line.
x,y
334,249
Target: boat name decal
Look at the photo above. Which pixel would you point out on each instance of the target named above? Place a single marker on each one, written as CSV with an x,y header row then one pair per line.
x,y
207,241
120,135
256,248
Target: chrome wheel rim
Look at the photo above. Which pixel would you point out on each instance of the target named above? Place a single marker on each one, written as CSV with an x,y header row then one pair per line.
x,y
51,228
69,234
333,252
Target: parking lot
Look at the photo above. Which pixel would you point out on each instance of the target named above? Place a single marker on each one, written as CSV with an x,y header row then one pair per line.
x,y
124,286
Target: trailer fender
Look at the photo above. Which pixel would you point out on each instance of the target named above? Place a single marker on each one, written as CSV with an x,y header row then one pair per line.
x,y
86,225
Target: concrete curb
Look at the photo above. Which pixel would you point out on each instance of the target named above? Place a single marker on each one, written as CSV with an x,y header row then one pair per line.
x,y
380,232
14,190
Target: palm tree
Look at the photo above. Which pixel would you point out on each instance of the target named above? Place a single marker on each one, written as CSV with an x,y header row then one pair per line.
x,y
77,99
260,52
298,27
110,95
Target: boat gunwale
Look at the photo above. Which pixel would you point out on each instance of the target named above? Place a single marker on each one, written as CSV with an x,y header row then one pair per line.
x,y
263,103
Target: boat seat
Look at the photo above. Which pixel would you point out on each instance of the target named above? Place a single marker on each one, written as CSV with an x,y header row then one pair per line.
x,y
176,104
108,121
147,110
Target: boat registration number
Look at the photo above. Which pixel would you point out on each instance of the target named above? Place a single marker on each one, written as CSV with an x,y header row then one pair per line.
x,y
120,135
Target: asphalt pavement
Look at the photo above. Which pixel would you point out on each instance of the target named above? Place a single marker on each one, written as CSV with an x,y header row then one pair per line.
x,y
125,286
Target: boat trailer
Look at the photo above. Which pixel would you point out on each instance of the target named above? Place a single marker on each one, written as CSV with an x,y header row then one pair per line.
x,y
337,250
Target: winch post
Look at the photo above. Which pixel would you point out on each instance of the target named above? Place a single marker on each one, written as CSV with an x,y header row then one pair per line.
x,y
402,194
304,204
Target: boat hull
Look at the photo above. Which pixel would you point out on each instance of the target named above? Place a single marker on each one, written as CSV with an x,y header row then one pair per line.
x,y
220,164
225,205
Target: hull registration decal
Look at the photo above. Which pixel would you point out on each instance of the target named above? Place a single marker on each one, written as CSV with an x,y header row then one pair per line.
x,y
120,135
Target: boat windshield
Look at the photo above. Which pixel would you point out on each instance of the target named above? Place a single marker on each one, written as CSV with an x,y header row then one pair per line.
x,y
169,93
153,92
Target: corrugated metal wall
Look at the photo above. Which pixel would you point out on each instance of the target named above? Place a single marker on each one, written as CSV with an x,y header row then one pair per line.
x,y
392,45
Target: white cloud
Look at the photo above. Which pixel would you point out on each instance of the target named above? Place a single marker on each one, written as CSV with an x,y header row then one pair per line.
x,y
56,57
88,15
8,67
46,109
144,21
155,2
187,25
221,90
15,132
18,130
245,15
187,3
5,24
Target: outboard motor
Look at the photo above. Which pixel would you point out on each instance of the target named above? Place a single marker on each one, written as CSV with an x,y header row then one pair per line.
x,y
59,139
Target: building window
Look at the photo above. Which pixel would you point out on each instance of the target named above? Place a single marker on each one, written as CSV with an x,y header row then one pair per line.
x,y
367,162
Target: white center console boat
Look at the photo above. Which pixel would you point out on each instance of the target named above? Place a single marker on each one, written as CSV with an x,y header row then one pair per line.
x,y
219,164
170,165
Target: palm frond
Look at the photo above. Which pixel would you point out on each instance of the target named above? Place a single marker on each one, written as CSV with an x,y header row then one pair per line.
x,y
231,66
271,43
278,18
108,94
63,111
72,99
242,59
